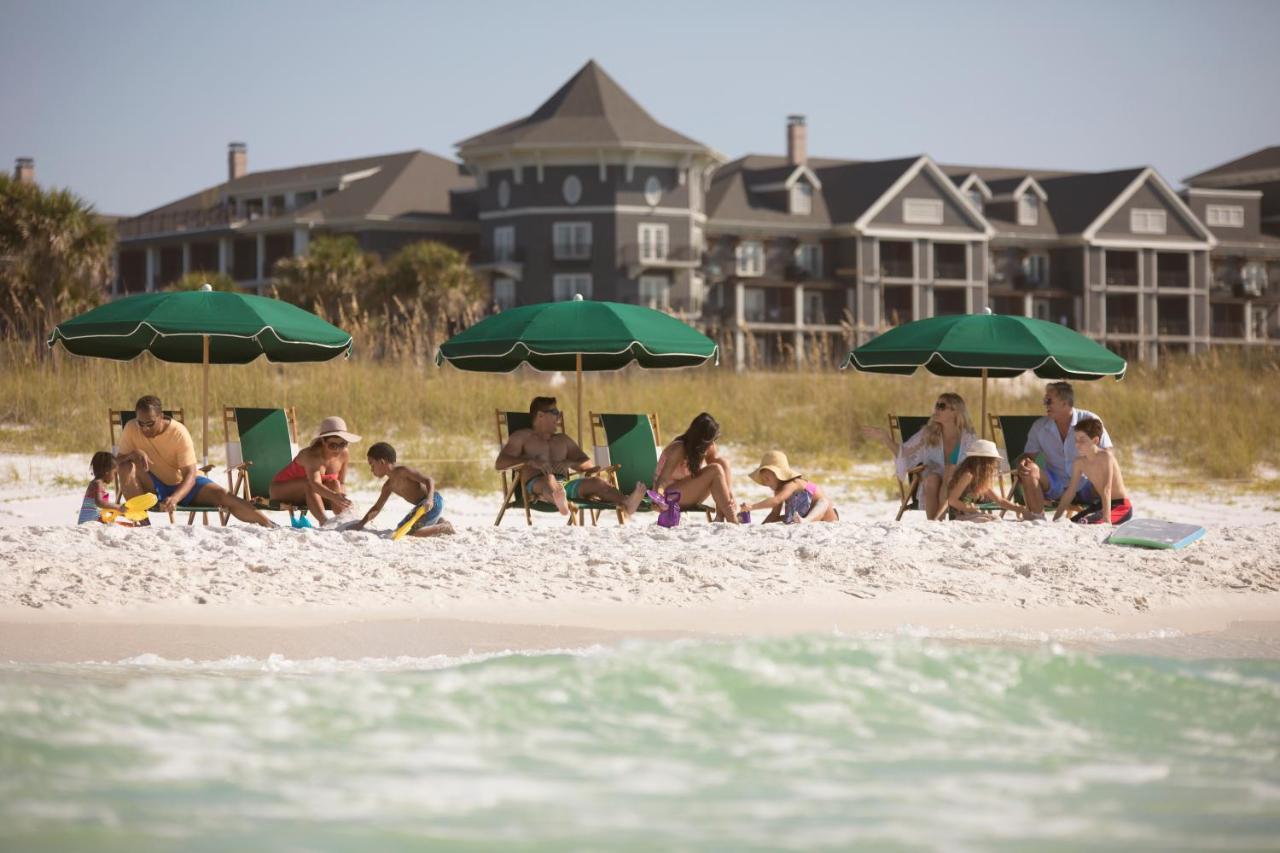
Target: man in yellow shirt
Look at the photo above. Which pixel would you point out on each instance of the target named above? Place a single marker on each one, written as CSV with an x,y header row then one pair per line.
x,y
156,454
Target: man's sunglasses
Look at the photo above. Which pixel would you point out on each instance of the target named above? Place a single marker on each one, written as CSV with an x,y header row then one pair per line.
x,y
555,412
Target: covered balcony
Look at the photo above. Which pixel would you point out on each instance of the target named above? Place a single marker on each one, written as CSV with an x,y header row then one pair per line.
x,y
1122,315
897,259
1121,269
898,305
1173,316
950,262
1173,269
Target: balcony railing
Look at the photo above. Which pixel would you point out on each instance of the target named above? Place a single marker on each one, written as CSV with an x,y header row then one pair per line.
x,y
638,254
571,251
1122,325
897,269
1174,327
181,220
1228,329
953,271
1123,277
1172,279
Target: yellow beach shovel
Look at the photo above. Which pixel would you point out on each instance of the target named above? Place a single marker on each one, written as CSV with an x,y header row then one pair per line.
x,y
135,510
409,523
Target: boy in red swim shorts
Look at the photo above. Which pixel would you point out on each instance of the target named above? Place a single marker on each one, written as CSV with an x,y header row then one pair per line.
x,y
1099,465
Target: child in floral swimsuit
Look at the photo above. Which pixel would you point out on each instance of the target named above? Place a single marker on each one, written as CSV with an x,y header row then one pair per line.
x,y
794,499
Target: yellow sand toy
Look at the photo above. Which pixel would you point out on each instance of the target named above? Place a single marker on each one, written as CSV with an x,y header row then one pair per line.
x,y
135,510
409,523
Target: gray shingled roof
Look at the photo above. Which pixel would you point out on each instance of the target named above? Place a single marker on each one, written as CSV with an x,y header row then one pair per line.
x,y
407,183
1260,160
590,109
849,187
1077,200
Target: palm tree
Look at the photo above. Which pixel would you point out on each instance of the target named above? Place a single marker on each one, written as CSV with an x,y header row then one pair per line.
x,y
55,258
328,279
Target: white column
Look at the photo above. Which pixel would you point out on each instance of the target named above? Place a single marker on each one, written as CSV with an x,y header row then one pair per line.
x,y
740,319
224,255
1028,306
262,252
151,268
1248,321
798,298
186,258
301,239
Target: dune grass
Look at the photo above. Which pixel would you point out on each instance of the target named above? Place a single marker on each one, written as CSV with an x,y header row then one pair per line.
x,y
1206,417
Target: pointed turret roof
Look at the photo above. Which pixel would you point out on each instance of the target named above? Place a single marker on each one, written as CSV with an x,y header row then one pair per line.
x,y
590,109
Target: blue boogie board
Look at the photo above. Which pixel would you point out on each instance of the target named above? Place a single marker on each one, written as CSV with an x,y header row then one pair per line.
x,y
1150,533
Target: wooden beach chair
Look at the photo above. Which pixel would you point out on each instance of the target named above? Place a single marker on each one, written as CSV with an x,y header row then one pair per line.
x,y
901,428
116,419
628,446
1010,433
512,495
259,443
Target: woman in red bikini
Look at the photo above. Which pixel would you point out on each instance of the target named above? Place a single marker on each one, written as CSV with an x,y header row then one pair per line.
x,y
316,475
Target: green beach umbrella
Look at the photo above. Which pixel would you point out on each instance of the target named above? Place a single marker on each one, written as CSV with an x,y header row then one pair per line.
x,y
577,335
201,327
986,345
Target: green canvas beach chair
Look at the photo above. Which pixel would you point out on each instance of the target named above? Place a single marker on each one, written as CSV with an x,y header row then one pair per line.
x,y
901,428
628,446
259,443
116,419
512,495
1010,433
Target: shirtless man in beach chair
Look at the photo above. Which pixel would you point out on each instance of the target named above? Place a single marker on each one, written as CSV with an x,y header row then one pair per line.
x,y
546,458
156,454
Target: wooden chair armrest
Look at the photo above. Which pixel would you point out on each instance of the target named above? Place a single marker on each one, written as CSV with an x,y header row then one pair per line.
x,y
509,468
596,471
205,469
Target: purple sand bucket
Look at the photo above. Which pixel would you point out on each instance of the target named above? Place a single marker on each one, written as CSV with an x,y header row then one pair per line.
x,y
670,515
744,517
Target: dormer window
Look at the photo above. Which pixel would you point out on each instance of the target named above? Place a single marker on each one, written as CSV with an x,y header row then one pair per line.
x,y
1028,209
1146,221
801,198
975,198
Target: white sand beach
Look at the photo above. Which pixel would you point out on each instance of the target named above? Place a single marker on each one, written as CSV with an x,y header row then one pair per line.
x,y
94,592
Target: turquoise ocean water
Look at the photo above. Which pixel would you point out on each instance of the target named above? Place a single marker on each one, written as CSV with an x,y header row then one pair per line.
x,y
801,743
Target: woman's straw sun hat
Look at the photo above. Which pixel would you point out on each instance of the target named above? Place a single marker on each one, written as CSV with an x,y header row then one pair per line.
x,y
336,426
775,461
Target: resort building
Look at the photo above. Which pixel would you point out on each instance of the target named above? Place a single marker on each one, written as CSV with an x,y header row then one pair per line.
x,y
782,257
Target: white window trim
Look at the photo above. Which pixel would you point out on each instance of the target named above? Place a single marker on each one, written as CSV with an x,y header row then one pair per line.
x,y
665,291
504,249
801,190
922,211
648,247
557,243
507,283
1028,209
575,283
1224,215
813,252
1142,221
741,256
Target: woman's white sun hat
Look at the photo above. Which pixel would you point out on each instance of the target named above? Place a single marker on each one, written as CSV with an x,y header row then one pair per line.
x,y
336,426
983,447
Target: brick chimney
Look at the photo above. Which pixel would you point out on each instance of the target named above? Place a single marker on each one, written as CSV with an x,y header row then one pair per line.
x,y
237,160
24,170
797,148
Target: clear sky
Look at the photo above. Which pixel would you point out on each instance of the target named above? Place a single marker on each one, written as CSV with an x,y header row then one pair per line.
x,y
132,104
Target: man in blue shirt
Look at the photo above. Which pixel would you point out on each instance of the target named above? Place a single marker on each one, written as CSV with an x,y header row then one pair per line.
x,y
1053,436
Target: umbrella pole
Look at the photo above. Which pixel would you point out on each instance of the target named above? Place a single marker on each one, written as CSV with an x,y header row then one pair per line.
x,y
982,431
204,435
579,366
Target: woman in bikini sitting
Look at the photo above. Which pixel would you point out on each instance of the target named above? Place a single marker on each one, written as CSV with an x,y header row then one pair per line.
x,y
693,466
316,476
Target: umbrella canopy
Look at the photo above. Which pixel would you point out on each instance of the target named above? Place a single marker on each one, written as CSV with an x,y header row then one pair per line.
x,y
577,335
552,335
172,326
996,345
986,345
202,327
